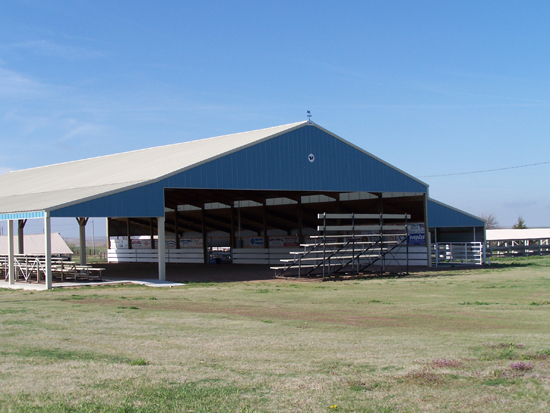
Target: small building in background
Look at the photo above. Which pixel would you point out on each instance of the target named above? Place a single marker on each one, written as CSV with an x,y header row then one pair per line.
x,y
34,245
514,242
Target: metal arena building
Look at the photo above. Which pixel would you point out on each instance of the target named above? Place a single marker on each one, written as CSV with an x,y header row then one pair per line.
x,y
258,193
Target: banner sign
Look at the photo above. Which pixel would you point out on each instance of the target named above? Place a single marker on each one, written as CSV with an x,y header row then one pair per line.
x,y
417,234
141,243
284,242
256,242
190,242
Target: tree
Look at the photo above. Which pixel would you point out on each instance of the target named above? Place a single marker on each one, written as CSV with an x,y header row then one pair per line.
x,y
490,219
520,224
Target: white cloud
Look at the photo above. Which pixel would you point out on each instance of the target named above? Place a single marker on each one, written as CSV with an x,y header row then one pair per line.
x,y
4,170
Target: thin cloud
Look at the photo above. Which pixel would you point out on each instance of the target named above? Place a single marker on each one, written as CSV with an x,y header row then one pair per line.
x,y
28,124
78,130
16,85
520,204
49,48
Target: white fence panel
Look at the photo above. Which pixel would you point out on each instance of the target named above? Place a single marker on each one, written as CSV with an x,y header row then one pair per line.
x,y
444,253
418,256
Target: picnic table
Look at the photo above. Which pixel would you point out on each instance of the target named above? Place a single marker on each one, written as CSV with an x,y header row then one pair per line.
x,y
70,269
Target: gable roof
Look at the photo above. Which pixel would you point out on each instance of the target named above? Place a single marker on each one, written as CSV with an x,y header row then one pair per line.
x,y
61,186
53,186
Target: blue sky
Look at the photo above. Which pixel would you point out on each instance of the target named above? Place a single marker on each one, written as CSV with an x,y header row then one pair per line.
x,y
432,87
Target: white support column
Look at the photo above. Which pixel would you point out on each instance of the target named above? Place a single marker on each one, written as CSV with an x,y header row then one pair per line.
x,y
82,234
48,249
485,244
161,249
11,263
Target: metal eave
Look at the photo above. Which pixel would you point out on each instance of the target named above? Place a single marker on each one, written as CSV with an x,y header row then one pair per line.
x,y
48,206
22,215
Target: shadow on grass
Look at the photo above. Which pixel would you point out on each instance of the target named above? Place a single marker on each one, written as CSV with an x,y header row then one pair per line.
x,y
132,396
58,355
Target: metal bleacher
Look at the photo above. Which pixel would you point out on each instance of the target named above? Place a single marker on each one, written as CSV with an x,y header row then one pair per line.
x,y
348,244
32,266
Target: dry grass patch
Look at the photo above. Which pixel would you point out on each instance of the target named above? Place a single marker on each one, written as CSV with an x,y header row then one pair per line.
x,y
463,341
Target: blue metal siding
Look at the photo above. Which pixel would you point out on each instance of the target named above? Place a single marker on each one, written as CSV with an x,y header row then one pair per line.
x,y
145,201
441,216
282,163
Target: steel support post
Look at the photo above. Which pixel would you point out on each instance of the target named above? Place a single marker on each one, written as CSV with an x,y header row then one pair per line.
x,y
82,227
11,263
161,248
48,249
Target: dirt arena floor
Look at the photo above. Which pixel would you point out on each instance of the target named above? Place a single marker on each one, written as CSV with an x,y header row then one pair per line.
x,y
189,272
217,273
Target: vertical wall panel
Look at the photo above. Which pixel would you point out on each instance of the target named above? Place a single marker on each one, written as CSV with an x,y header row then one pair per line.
x,y
443,216
281,163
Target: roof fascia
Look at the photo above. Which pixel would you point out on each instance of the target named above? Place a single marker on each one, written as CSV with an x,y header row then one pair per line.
x,y
22,215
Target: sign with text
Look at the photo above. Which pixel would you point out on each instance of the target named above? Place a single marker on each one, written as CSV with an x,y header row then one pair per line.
x,y
283,242
417,234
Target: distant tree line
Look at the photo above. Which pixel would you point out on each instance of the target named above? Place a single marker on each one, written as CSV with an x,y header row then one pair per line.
x,y
492,222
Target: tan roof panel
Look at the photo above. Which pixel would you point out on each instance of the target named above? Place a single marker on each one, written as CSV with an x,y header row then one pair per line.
x,y
53,186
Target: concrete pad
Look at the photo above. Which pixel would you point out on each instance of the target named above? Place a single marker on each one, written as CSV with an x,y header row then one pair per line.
x,y
23,286
157,283
42,287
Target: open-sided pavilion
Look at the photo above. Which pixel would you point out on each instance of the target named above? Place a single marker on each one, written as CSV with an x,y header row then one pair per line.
x,y
239,189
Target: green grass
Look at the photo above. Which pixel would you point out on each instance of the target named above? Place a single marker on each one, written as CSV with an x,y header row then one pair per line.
x,y
443,341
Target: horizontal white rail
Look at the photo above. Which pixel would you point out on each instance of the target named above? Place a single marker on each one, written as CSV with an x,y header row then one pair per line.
x,y
363,216
260,255
184,255
362,228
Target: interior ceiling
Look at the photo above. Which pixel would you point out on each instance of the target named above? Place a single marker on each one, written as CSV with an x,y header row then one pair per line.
x,y
258,218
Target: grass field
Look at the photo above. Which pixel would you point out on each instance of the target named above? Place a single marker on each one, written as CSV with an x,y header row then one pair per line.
x,y
475,340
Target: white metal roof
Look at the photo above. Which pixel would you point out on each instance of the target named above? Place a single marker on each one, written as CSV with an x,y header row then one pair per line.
x,y
517,234
33,244
50,187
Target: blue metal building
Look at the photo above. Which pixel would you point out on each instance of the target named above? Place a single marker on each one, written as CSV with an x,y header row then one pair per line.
x,y
224,191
